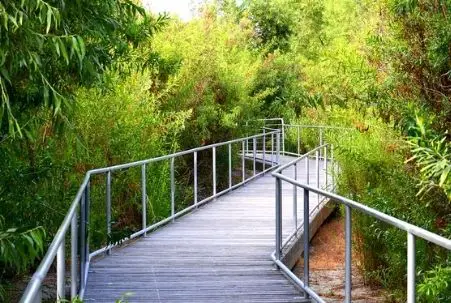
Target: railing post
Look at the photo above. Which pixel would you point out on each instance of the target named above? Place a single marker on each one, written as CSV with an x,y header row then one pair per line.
x,y
82,240
61,273
306,238
320,136
230,165
272,149
195,177
325,165
411,269
332,165
213,150
283,137
295,198
264,150
278,148
278,218
348,254
243,164
254,154
247,146
307,169
247,141
317,171
172,189
108,208
73,262
87,206
144,197
299,139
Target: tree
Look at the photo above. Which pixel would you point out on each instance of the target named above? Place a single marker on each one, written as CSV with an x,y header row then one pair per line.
x,y
273,23
50,47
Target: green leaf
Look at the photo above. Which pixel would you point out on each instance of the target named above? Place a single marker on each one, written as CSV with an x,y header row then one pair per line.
x,y
63,51
57,47
46,95
81,44
49,20
444,176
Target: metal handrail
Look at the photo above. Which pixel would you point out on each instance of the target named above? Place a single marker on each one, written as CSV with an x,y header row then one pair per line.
x,y
80,252
412,230
280,124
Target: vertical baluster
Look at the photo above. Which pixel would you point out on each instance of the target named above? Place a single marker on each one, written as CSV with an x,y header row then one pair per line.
x,y
283,137
144,197
73,262
278,148
254,154
172,188
332,165
307,169
325,165
213,150
87,207
272,149
299,139
108,209
195,177
411,269
264,150
247,147
348,254
230,165
61,273
317,172
278,218
320,136
243,164
295,198
306,239
82,240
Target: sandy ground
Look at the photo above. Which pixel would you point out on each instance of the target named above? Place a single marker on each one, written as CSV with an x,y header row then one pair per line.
x,y
327,259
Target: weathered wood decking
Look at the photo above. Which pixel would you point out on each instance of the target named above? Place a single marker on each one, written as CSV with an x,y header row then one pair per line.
x,y
218,253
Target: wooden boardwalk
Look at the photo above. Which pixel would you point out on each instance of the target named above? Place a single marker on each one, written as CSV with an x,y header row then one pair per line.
x,y
218,253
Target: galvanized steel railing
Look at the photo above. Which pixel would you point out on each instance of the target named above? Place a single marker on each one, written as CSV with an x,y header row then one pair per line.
x,y
327,193
77,218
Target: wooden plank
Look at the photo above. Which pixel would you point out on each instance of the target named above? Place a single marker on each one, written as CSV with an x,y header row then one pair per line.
x,y
217,253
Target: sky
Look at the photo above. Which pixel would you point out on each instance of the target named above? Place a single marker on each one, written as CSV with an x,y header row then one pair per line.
x,y
182,8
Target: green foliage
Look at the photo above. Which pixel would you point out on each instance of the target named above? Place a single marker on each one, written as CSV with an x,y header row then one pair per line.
x,y
432,154
19,249
273,23
412,47
107,127
62,45
436,285
126,89
213,79
373,172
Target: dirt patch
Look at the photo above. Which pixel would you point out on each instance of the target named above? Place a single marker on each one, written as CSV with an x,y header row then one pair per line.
x,y
327,260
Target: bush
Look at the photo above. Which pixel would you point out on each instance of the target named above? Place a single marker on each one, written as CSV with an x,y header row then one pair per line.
x,y
373,172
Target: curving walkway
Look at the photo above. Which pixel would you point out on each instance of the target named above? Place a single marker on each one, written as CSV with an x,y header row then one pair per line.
x,y
217,253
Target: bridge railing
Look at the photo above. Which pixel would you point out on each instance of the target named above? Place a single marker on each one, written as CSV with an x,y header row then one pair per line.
x,y
327,193
298,139
265,151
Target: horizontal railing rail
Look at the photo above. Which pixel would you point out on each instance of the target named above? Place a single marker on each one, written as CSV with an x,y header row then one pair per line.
x,y
287,129
327,193
267,154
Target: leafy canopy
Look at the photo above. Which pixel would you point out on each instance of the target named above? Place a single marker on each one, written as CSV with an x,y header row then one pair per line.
x,y
49,47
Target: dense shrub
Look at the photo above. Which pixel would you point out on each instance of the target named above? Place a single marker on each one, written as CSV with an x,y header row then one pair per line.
x,y
373,171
